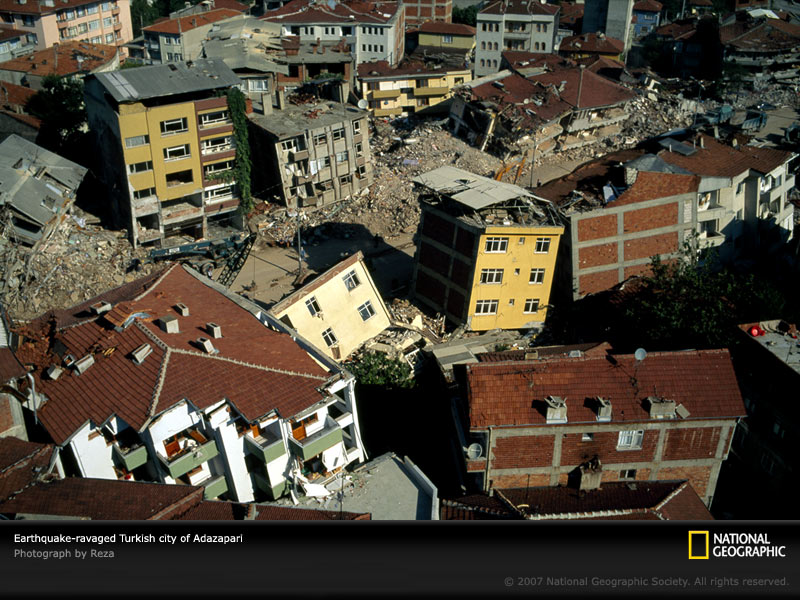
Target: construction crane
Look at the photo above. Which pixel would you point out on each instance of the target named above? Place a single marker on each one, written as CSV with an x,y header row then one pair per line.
x,y
520,164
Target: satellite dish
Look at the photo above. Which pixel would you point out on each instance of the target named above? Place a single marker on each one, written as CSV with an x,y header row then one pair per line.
x,y
332,4
640,354
474,451
362,104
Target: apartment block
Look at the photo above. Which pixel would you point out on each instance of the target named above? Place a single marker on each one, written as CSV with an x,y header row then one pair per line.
x,y
339,310
373,30
71,59
182,382
584,421
409,88
54,21
486,251
167,148
503,25
179,39
428,11
611,17
311,154
15,43
646,17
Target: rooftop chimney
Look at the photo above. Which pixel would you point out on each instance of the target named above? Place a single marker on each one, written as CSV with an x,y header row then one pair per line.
x,y
82,365
141,353
101,307
214,330
661,408
556,409
206,345
591,475
182,309
169,324
603,409
53,372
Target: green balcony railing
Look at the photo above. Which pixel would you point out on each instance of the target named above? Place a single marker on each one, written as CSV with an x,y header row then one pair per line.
x,y
189,460
266,451
317,442
132,458
214,487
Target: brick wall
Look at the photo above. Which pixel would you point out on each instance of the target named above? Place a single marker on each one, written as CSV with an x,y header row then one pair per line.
x,y
604,445
437,228
665,243
654,217
698,476
6,416
595,228
522,452
520,481
597,282
699,442
638,270
594,256
476,466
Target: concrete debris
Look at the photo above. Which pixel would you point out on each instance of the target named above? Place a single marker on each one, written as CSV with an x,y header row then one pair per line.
x,y
80,261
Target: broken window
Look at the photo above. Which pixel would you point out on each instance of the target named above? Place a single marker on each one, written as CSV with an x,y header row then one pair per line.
x,y
356,127
587,437
537,276
337,134
173,126
486,307
320,139
145,193
213,118
179,178
351,281
341,156
366,311
177,152
630,440
531,305
313,306
137,140
491,275
627,474
220,144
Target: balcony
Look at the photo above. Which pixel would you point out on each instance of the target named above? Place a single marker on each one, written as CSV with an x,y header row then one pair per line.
x,y
131,457
265,447
188,451
145,206
115,11
180,212
117,26
317,442
214,487
295,155
381,94
388,112
216,149
431,91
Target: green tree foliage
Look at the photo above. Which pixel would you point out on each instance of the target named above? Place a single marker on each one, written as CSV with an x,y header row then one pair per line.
x,y
59,104
142,15
237,105
467,16
376,368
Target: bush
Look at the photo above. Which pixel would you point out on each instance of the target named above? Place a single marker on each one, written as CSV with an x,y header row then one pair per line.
x,y
376,368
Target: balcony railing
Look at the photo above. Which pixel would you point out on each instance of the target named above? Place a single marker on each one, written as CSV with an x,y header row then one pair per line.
x,y
216,486
431,91
380,94
190,456
131,457
317,442
265,449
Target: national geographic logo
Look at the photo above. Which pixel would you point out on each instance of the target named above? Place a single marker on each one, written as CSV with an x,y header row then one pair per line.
x,y
732,545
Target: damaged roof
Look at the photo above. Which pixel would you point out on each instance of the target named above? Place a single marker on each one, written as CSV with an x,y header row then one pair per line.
x,y
469,189
155,81
519,99
595,43
584,89
183,24
21,464
509,394
308,11
381,69
66,58
249,358
447,28
296,119
519,7
247,43
771,35
648,6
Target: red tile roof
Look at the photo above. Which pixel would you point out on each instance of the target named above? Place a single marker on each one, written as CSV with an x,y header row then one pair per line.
x,y
21,463
598,64
27,119
233,4
38,8
651,186
591,43
770,34
9,33
12,95
303,11
534,104
104,499
44,62
251,358
588,349
518,7
183,24
635,500
648,6
381,68
716,159
531,60
570,13
10,367
267,512
508,394
676,31
584,89
447,28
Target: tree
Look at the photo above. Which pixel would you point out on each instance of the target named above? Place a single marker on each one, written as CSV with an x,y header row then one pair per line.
x,y
376,368
142,15
467,16
237,104
59,104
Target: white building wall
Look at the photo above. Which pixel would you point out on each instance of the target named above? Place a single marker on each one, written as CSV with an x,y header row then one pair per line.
x,y
92,453
232,453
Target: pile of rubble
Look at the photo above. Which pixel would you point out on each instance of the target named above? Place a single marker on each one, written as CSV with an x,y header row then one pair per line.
x,y
79,262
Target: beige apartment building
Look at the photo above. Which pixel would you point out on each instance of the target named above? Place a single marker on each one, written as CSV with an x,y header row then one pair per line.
x,y
342,308
56,21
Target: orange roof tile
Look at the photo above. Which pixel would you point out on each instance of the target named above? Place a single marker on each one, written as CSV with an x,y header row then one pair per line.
x,y
304,11
716,159
12,95
508,394
591,43
183,24
584,89
447,28
650,186
62,59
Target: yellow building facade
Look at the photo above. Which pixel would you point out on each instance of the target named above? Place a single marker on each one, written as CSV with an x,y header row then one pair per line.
x,y
396,92
513,277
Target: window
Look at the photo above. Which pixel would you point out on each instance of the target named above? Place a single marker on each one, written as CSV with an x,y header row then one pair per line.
x,y
80,11
178,55
217,168
28,20
542,245
173,126
491,275
219,144
109,38
145,193
483,63
91,9
213,118
544,46
346,179
537,276
109,22
447,39
320,139
351,281
366,311
627,474
170,56
329,337
536,46
486,307
359,149
767,463
313,306
219,193
538,28
587,437
337,134
423,101
531,306
544,28
630,440
483,45
137,140
496,244
94,24
83,28
177,152
179,178
521,241
140,167
258,85
341,157
511,302
356,127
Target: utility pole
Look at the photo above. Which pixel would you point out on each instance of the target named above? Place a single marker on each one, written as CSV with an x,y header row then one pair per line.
x,y
300,270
